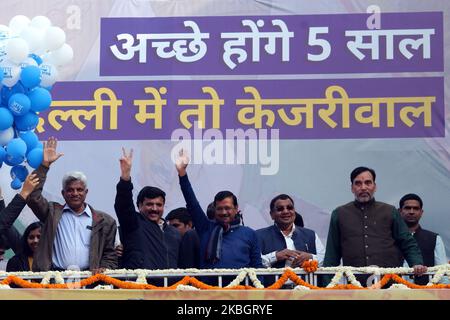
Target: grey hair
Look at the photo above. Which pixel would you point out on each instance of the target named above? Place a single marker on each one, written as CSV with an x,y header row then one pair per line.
x,y
69,177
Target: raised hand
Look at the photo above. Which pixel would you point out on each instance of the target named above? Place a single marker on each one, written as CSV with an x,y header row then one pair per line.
x,y
125,164
29,184
50,154
182,162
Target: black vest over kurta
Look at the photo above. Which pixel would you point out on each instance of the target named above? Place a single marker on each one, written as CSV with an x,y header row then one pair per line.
x,y
366,235
427,242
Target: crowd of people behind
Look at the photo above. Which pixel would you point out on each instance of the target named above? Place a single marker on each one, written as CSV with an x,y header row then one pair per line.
x,y
76,236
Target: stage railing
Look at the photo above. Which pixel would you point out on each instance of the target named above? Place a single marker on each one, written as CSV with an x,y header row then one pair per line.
x,y
247,278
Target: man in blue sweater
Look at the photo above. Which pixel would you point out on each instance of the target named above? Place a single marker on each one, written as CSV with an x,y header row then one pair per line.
x,y
224,242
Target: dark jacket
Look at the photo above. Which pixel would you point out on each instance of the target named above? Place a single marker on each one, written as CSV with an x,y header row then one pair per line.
x,y
104,228
145,245
271,239
189,250
240,248
7,217
18,263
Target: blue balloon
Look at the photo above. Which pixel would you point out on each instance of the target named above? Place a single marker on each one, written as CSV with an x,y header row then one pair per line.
x,y
35,157
1,77
30,76
13,161
19,104
27,122
40,99
30,138
8,92
6,118
36,58
16,148
19,172
2,154
16,184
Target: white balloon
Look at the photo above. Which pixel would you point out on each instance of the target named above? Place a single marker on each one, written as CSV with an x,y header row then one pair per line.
x,y
28,62
18,23
11,73
6,136
49,74
54,38
40,22
33,36
5,32
17,50
62,56
2,51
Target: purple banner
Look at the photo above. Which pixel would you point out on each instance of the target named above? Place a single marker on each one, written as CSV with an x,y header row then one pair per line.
x,y
295,44
303,109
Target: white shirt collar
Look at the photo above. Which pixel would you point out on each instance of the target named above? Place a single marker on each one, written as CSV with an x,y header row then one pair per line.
x,y
87,210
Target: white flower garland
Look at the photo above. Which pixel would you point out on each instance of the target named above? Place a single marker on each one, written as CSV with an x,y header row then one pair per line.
x,y
335,281
142,274
182,287
398,286
104,287
301,288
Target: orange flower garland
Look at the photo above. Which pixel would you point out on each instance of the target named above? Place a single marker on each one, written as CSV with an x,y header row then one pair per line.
x,y
310,266
187,280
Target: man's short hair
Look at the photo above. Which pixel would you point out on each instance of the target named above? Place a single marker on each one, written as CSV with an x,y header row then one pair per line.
x,y
357,171
225,194
211,211
279,197
182,214
410,196
150,193
72,176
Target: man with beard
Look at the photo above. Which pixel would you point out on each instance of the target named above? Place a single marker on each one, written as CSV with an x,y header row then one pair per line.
x,y
430,243
148,241
366,232
224,242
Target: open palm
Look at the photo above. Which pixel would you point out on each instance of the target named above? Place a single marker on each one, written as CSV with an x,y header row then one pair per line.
x,y
50,153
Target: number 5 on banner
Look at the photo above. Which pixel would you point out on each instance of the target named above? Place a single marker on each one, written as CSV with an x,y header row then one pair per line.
x,y
324,44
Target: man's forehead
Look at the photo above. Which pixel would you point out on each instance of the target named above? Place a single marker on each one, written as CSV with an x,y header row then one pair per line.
x,y
225,201
76,184
411,203
364,176
154,200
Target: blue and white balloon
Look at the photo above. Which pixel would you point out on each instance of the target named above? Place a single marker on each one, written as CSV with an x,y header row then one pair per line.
x,y
19,104
30,138
20,172
27,122
6,118
30,76
11,73
16,184
40,99
35,157
49,74
17,50
6,136
16,148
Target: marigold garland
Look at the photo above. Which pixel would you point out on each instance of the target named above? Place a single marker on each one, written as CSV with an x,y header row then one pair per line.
x,y
310,265
288,274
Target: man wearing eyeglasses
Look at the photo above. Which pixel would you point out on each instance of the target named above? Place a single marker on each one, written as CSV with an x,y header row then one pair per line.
x,y
285,245
224,242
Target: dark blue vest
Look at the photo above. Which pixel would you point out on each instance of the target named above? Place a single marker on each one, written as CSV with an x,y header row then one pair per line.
x,y
271,239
